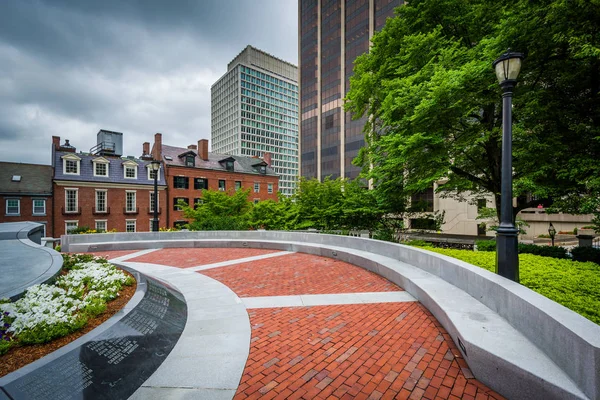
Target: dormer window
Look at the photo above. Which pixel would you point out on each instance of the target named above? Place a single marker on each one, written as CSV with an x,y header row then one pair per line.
x,y
228,163
263,169
130,169
100,166
71,164
190,160
151,173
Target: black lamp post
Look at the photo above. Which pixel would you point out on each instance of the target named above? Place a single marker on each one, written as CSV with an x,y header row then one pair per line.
x,y
552,232
507,68
155,167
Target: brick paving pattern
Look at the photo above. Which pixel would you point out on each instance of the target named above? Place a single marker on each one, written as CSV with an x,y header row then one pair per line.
x,y
296,274
192,257
382,351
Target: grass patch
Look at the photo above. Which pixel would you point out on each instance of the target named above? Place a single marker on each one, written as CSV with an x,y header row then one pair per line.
x,y
575,285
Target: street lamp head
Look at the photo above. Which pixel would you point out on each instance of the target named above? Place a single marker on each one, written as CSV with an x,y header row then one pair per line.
x,y
508,66
155,165
551,230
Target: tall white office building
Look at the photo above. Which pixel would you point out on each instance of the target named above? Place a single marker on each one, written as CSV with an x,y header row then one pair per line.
x,y
254,110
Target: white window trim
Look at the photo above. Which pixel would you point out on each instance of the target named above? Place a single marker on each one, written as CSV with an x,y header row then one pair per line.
x,y
105,200
70,222
134,225
33,207
149,169
19,207
134,200
71,157
150,194
256,187
130,164
101,220
101,160
76,200
270,187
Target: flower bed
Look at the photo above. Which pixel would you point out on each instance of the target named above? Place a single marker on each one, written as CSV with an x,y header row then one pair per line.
x,y
46,312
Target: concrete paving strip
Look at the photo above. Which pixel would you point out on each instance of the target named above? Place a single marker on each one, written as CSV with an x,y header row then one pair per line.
x,y
239,261
132,255
326,299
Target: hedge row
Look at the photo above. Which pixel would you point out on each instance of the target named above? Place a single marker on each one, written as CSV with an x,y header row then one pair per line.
x,y
575,285
582,254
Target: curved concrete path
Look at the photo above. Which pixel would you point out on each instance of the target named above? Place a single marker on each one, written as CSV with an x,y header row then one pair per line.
x,y
278,324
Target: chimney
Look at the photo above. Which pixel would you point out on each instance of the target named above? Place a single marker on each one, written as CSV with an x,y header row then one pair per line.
x,y
192,147
157,148
267,158
203,149
56,142
146,148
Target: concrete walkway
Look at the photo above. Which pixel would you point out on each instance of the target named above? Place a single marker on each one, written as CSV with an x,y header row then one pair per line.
x,y
270,324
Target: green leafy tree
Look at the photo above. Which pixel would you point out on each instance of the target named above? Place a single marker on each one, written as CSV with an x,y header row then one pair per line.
x,y
219,211
435,104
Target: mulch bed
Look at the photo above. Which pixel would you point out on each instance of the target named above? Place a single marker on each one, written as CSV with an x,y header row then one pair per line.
x,y
19,356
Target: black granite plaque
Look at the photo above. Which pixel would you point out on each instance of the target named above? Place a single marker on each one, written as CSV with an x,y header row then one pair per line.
x,y
115,363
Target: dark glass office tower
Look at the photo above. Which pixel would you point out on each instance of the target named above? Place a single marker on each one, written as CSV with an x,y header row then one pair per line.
x,y
332,33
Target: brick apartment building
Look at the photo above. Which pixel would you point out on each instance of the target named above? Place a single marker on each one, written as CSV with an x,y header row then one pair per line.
x,y
26,194
102,190
193,169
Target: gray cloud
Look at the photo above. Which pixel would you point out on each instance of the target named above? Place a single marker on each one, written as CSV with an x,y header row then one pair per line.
x,y
70,68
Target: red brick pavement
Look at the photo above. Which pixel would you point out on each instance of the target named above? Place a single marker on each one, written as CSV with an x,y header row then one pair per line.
x,y
298,273
374,351
191,257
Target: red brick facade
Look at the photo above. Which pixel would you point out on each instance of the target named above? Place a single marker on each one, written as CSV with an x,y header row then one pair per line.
x,y
247,181
115,217
26,211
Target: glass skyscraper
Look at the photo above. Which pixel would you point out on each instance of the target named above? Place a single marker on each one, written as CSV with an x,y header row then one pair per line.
x,y
254,109
332,33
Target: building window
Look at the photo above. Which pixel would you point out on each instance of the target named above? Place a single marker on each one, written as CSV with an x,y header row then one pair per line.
x,y
70,225
100,201
222,184
176,200
39,206
263,169
151,209
181,182
152,226
130,172
100,226
238,185
269,188
256,201
151,173
71,167
481,203
422,201
256,187
229,165
197,202
100,169
200,183
71,201
190,160
130,225
130,202
13,206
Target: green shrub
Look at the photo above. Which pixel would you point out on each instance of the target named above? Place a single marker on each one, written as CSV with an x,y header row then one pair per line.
x,y
5,345
575,285
586,254
385,233
545,251
57,248
418,243
486,245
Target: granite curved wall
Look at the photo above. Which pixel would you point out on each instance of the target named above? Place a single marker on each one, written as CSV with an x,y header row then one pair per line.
x,y
23,260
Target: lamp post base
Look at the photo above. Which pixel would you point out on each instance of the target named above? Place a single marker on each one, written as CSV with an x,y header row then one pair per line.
x,y
154,226
507,253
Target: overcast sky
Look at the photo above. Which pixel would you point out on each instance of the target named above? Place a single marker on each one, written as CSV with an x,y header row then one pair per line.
x,y
71,68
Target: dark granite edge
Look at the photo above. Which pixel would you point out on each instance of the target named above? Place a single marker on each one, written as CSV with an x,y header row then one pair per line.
x,y
139,294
